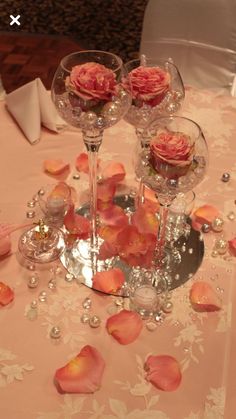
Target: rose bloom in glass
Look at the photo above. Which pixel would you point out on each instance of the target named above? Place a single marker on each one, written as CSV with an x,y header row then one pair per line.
x,y
149,85
171,154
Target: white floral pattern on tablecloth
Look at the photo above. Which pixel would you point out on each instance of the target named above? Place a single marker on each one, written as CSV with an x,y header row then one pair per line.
x,y
10,371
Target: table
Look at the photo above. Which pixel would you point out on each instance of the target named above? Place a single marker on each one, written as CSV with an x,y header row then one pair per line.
x,y
203,343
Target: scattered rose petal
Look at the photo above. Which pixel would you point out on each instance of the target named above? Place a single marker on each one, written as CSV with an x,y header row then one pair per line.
x,y
125,326
55,167
61,190
109,281
106,191
113,216
83,374
150,195
232,246
130,240
204,215
139,259
77,224
108,248
6,294
114,172
203,297
145,218
5,245
81,163
163,371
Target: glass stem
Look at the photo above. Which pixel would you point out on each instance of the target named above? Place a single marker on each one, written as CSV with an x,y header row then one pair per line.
x,y
144,139
161,234
92,144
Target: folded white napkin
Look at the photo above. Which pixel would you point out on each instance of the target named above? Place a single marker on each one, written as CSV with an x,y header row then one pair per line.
x,y
31,106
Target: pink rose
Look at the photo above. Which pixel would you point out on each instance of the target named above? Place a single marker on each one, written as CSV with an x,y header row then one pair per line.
x,y
149,84
92,81
171,153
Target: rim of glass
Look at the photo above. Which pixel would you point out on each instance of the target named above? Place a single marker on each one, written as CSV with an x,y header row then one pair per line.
x,y
176,117
148,59
118,59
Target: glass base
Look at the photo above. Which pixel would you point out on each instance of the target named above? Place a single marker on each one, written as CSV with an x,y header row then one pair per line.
x,y
181,267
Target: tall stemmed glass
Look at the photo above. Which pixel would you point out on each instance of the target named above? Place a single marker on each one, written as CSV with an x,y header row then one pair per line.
x,y
176,161
157,90
89,93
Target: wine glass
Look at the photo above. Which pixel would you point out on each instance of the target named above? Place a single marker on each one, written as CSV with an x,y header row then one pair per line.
x,y
157,90
176,161
89,93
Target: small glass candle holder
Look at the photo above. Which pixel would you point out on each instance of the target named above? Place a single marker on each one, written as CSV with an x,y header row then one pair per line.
x,y
42,243
147,292
54,202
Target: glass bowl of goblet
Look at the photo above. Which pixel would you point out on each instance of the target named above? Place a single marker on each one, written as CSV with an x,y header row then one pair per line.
x,y
89,93
157,90
175,161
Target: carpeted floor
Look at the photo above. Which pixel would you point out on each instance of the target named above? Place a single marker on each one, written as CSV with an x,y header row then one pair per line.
x,y
25,57
110,25
51,29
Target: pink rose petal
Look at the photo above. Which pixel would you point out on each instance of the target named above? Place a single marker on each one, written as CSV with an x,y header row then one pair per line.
x,y
125,326
163,371
114,172
77,224
145,219
204,214
82,163
113,216
6,294
83,374
106,191
203,297
55,167
61,190
232,246
109,281
5,245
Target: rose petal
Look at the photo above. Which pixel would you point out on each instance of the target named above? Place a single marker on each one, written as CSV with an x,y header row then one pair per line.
x,y
232,246
142,260
61,190
130,241
83,374
205,214
114,172
150,195
113,216
81,163
145,219
6,294
107,251
203,297
5,245
106,191
109,281
108,248
55,167
125,326
163,371
77,224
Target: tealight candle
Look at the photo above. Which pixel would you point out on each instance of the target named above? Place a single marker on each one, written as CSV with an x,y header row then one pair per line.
x,y
144,299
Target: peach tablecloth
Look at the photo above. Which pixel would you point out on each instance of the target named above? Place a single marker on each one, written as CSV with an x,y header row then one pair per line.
x,y
203,343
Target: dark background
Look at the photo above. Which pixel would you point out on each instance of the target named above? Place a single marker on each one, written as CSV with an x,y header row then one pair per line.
x,y
111,25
